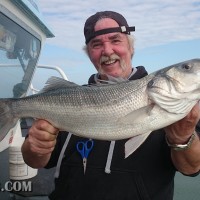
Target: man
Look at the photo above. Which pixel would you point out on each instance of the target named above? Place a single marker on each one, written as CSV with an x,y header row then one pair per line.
x,y
146,174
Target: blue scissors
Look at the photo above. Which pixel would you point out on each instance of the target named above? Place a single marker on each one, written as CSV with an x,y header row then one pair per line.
x,y
84,149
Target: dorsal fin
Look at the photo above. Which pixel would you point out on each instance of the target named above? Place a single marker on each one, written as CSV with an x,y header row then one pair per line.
x,y
57,82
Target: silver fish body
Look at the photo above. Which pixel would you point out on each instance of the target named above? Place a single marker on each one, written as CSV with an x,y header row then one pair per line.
x,y
131,109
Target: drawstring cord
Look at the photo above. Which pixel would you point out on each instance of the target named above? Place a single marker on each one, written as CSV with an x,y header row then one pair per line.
x,y
108,163
109,158
57,172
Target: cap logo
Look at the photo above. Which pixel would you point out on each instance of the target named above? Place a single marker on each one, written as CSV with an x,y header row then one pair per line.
x,y
123,28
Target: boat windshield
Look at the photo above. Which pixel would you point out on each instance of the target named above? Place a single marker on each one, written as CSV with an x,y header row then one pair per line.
x,y
19,52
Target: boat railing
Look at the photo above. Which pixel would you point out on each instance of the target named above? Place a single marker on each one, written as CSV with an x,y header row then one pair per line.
x,y
52,67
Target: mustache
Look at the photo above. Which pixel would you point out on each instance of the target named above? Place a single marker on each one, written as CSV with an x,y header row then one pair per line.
x,y
111,57
107,58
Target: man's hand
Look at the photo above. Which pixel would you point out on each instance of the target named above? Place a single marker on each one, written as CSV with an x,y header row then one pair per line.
x,y
186,161
180,132
39,144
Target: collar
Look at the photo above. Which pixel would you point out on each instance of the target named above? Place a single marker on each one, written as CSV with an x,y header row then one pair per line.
x,y
137,73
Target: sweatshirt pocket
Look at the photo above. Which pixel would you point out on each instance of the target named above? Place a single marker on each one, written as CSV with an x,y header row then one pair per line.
x,y
95,184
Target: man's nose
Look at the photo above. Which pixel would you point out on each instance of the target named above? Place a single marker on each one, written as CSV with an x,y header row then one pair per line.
x,y
107,49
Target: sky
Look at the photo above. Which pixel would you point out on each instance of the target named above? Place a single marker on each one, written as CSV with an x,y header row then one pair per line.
x,y
167,32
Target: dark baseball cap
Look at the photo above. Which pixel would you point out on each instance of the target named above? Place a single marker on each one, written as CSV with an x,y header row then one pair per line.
x,y
90,33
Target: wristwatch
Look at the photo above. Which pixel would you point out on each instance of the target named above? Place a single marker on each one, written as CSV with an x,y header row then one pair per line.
x,y
180,147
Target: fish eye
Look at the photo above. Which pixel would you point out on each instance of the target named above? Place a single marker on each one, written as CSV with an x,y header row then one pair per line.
x,y
150,83
185,66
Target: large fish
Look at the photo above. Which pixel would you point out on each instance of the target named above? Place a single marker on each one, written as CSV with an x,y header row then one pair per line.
x,y
130,109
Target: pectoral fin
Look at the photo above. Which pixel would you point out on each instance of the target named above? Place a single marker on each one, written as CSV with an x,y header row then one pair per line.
x,y
132,144
137,116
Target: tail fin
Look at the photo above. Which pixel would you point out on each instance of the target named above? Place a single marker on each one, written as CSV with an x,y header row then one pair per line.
x,y
7,121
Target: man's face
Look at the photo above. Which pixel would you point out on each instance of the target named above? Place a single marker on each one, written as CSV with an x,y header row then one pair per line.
x,y
110,53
